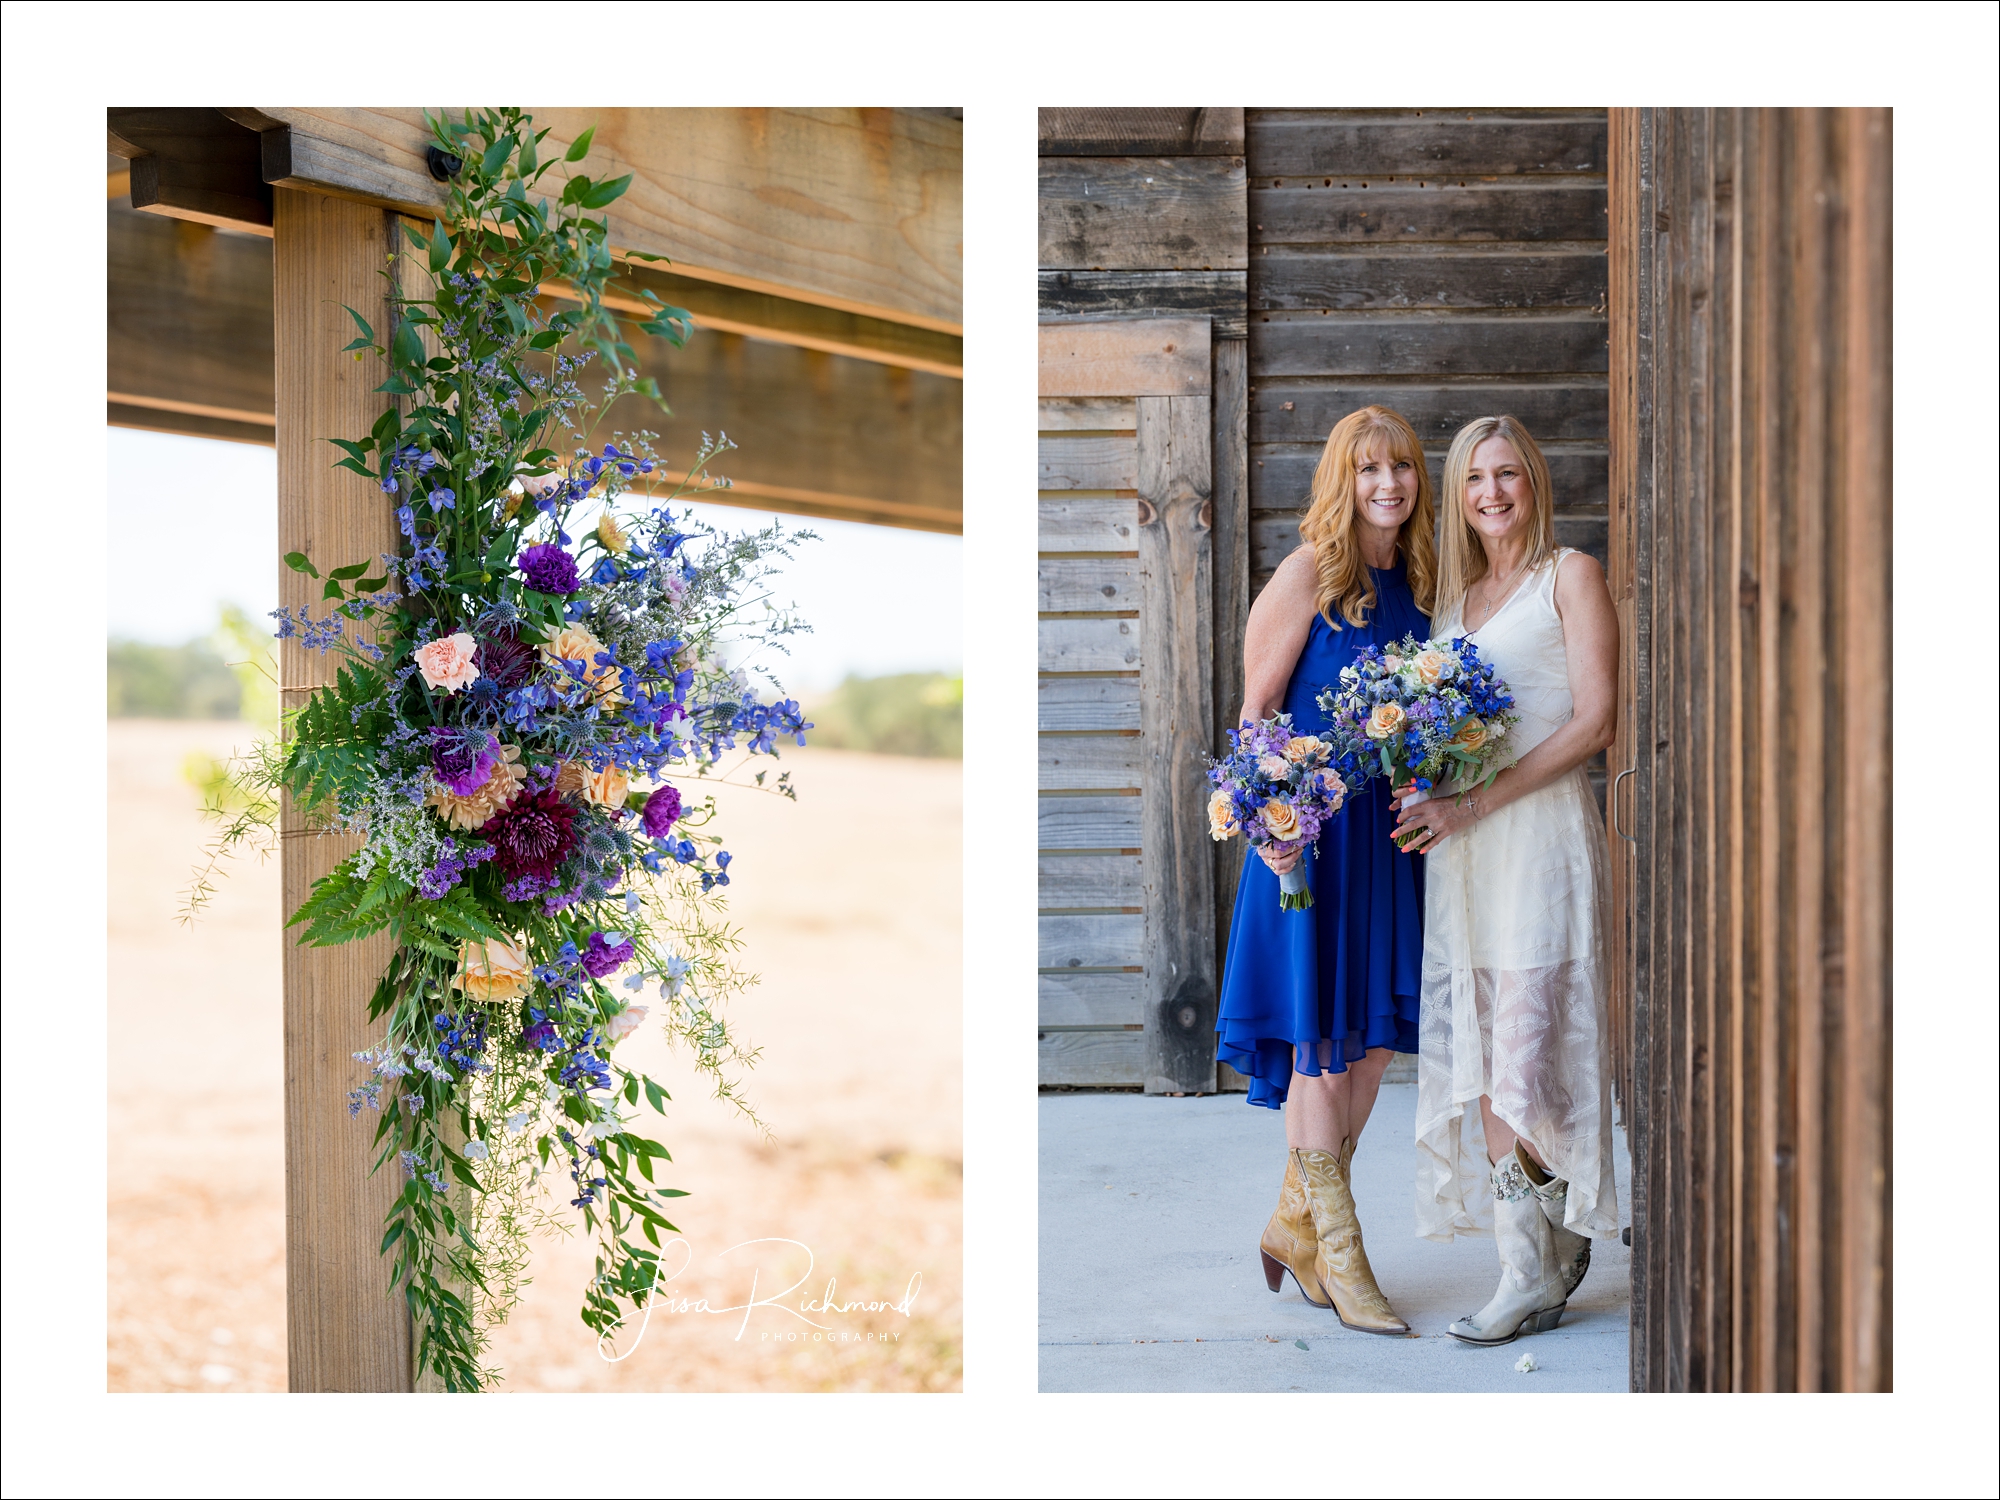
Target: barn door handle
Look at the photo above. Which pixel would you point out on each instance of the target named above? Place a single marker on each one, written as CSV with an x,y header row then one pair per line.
x,y
1617,825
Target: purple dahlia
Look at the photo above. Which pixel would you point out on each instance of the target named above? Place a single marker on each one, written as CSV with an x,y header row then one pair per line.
x,y
601,958
506,659
534,835
660,811
549,569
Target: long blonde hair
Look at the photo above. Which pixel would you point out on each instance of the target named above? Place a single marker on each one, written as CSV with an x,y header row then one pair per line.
x,y
1461,558
1328,527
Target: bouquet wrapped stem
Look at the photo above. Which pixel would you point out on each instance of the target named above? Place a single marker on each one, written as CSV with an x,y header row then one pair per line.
x,y
1294,890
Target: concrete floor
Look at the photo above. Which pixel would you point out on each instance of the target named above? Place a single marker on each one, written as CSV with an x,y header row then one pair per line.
x,y
1151,1210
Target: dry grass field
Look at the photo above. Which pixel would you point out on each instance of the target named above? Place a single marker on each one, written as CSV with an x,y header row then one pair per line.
x,y
849,902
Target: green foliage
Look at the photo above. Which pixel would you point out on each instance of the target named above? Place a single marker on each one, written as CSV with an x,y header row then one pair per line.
x,y
170,682
912,713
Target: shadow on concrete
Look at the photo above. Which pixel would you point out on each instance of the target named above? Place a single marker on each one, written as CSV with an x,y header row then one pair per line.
x,y
1150,1281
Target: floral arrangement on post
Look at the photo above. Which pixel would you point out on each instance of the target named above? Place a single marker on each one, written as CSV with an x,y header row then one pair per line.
x,y
1424,710
517,696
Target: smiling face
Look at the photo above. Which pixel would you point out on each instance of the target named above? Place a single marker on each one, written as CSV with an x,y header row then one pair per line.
x,y
1385,488
1499,497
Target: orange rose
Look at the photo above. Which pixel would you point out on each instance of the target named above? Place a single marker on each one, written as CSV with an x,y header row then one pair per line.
x,y
574,643
1386,722
1281,820
1471,734
1306,750
1431,665
1221,818
494,971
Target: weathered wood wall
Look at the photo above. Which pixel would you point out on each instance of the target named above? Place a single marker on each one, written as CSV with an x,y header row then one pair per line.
x,y
1448,263
1144,564
1750,559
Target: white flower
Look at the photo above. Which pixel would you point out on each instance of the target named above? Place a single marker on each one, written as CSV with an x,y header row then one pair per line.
x,y
518,1122
552,1093
599,1129
676,975
1526,1364
475,1150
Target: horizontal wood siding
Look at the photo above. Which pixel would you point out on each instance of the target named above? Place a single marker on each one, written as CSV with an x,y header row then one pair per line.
x,y
1445,263
1145,540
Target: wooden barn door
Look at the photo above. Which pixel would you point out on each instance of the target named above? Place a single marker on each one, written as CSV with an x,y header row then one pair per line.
x,y
1751,563
1144,567
1127,956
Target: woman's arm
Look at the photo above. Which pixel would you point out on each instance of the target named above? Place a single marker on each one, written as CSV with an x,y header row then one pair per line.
x,y
1276,632
1273,637
1590,642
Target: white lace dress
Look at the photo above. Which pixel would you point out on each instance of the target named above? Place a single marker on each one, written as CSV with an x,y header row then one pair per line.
x,y
1513,999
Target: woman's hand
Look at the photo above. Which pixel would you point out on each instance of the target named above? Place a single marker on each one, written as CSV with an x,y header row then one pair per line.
x,y
1397,794
1418,829
1279,862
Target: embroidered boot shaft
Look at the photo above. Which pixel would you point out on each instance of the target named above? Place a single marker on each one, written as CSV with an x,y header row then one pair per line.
x,y
1289,1243
1342,1262
1552,1194
1530,1297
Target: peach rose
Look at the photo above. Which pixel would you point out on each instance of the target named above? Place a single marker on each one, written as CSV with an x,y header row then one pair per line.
x,y
610,538
541,486
1393,662
447,662
1221,816
1386,722
607,788
1273,766
1431,665
574,643
624,1023
1471,734
1305,750
494,971
1281,820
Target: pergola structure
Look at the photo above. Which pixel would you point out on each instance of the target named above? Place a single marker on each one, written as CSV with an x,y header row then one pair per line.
x,y
819,254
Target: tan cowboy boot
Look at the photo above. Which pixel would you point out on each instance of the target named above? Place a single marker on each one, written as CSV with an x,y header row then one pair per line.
x,y
1342,1263
1289,1242
1552,1196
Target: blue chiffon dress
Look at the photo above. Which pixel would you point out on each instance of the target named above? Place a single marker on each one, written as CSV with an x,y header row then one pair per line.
x,y
1344,975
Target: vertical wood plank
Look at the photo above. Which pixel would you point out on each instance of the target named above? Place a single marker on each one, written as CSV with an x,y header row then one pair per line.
x,y
1230,545
1865,654
345,1332
1176,711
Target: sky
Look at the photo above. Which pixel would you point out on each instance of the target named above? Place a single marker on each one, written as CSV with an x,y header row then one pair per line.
x,y
194,524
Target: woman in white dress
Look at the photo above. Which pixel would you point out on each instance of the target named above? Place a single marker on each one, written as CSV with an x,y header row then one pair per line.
x,y
1513,1006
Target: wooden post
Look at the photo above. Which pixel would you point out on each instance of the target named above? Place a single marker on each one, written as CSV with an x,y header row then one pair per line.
x,y
1175,713
345,1331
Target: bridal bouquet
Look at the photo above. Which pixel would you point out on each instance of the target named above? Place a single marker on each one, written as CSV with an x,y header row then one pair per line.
x,y
527,686
1275,788
1419,711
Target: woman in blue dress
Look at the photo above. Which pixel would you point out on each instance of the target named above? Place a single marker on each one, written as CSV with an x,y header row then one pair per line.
x,y
1314,1002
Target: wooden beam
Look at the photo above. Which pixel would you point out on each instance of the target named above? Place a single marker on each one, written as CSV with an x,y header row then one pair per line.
x,y
190,350
1142,213
188,321
784,320
1176,716
194,164
852,209
345,1330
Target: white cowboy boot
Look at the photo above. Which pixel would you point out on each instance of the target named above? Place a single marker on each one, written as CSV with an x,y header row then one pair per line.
x,y
1530,1298
1552,1193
